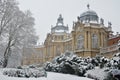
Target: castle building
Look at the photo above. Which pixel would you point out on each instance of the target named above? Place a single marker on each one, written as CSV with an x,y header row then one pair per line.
x,y
89,35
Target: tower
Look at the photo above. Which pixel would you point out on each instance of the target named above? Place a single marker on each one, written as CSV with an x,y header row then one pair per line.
x,y
55,40
88,35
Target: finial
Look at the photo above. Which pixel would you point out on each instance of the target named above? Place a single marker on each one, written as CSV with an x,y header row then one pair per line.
x,y
60,20
102,21
78,18
88,6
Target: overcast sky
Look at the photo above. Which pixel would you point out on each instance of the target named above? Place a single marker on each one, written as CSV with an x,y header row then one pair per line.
x,y
46,12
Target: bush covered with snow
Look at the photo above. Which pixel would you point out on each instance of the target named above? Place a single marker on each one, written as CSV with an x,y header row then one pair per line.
x,y
115,61
25,72
72,64
108,69
69,63
103,74
113,74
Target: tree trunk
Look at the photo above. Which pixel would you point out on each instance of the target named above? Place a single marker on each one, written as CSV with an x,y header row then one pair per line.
x,y
5,62
6,55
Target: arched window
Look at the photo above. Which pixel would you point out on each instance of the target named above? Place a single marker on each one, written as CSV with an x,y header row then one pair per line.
x,y
80,42
94,41
105,41
48,51
58,50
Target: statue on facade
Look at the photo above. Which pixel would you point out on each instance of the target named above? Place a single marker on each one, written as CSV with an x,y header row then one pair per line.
x,y
78,18
102,21
73,23
109,24
88,6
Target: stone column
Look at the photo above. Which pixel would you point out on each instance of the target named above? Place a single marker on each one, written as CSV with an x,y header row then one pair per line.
x,y
85,40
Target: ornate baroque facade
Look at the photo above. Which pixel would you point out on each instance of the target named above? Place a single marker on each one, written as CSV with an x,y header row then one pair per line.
x,y
88,35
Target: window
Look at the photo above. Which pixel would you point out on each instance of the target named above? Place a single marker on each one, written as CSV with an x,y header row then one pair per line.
x,y
80,42
48,51
94,41
58,50
105,41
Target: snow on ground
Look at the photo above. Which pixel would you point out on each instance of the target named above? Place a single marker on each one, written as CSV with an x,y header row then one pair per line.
x,y
97,73
50,76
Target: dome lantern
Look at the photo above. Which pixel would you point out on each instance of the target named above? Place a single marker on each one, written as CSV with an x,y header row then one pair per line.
x,y
59,28
60,20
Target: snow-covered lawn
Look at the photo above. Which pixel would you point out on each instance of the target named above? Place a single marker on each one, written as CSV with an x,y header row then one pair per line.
x,y
50,76
101,74
97,73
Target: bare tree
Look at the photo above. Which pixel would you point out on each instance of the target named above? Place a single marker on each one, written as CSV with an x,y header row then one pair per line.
x,y
16,28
